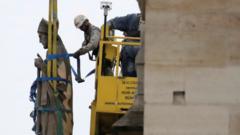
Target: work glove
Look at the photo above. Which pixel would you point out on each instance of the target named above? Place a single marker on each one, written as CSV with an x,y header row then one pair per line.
x,y
76,54
79,52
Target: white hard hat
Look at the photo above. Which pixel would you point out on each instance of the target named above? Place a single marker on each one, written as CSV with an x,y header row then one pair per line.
x,y
79,20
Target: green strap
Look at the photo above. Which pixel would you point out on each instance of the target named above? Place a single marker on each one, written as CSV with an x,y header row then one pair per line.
x,y
59,120
59,111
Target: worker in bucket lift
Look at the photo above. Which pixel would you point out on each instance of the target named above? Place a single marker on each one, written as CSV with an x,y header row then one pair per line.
x,y
92,35
48,123
128,24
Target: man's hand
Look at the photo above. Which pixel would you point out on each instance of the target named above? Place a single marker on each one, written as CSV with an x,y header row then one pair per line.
x,y
79,52
38,62
76,54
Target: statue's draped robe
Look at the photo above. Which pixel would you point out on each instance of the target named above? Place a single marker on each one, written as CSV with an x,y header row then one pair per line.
x,y
48,120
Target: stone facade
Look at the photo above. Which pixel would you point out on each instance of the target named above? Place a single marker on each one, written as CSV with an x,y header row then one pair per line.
x,y
192,67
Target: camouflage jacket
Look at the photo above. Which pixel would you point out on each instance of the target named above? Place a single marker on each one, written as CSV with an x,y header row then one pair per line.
x,y
92,38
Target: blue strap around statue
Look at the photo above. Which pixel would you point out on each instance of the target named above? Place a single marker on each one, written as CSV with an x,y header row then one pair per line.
x,y
65,56
49,57
52,109
52,57
33,114
57,56
41,79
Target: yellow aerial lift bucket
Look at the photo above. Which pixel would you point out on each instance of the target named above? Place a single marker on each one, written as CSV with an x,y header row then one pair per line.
x,y
114,93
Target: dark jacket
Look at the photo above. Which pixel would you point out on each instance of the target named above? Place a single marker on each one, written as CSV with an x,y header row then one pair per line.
x,y
92,38
128,24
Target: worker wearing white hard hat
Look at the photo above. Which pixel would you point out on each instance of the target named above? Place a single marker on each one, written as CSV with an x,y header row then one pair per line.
x,y
79,20
91,35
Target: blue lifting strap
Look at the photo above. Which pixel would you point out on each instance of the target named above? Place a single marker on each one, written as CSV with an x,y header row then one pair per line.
x,y
52,57
90,73
65,56
52,109
57,56
74,72
34,85
47,109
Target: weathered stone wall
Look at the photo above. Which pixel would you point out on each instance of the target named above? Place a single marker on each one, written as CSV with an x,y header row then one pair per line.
x,y
192,67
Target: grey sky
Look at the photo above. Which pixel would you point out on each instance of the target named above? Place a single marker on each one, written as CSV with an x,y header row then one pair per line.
x,y
20,44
